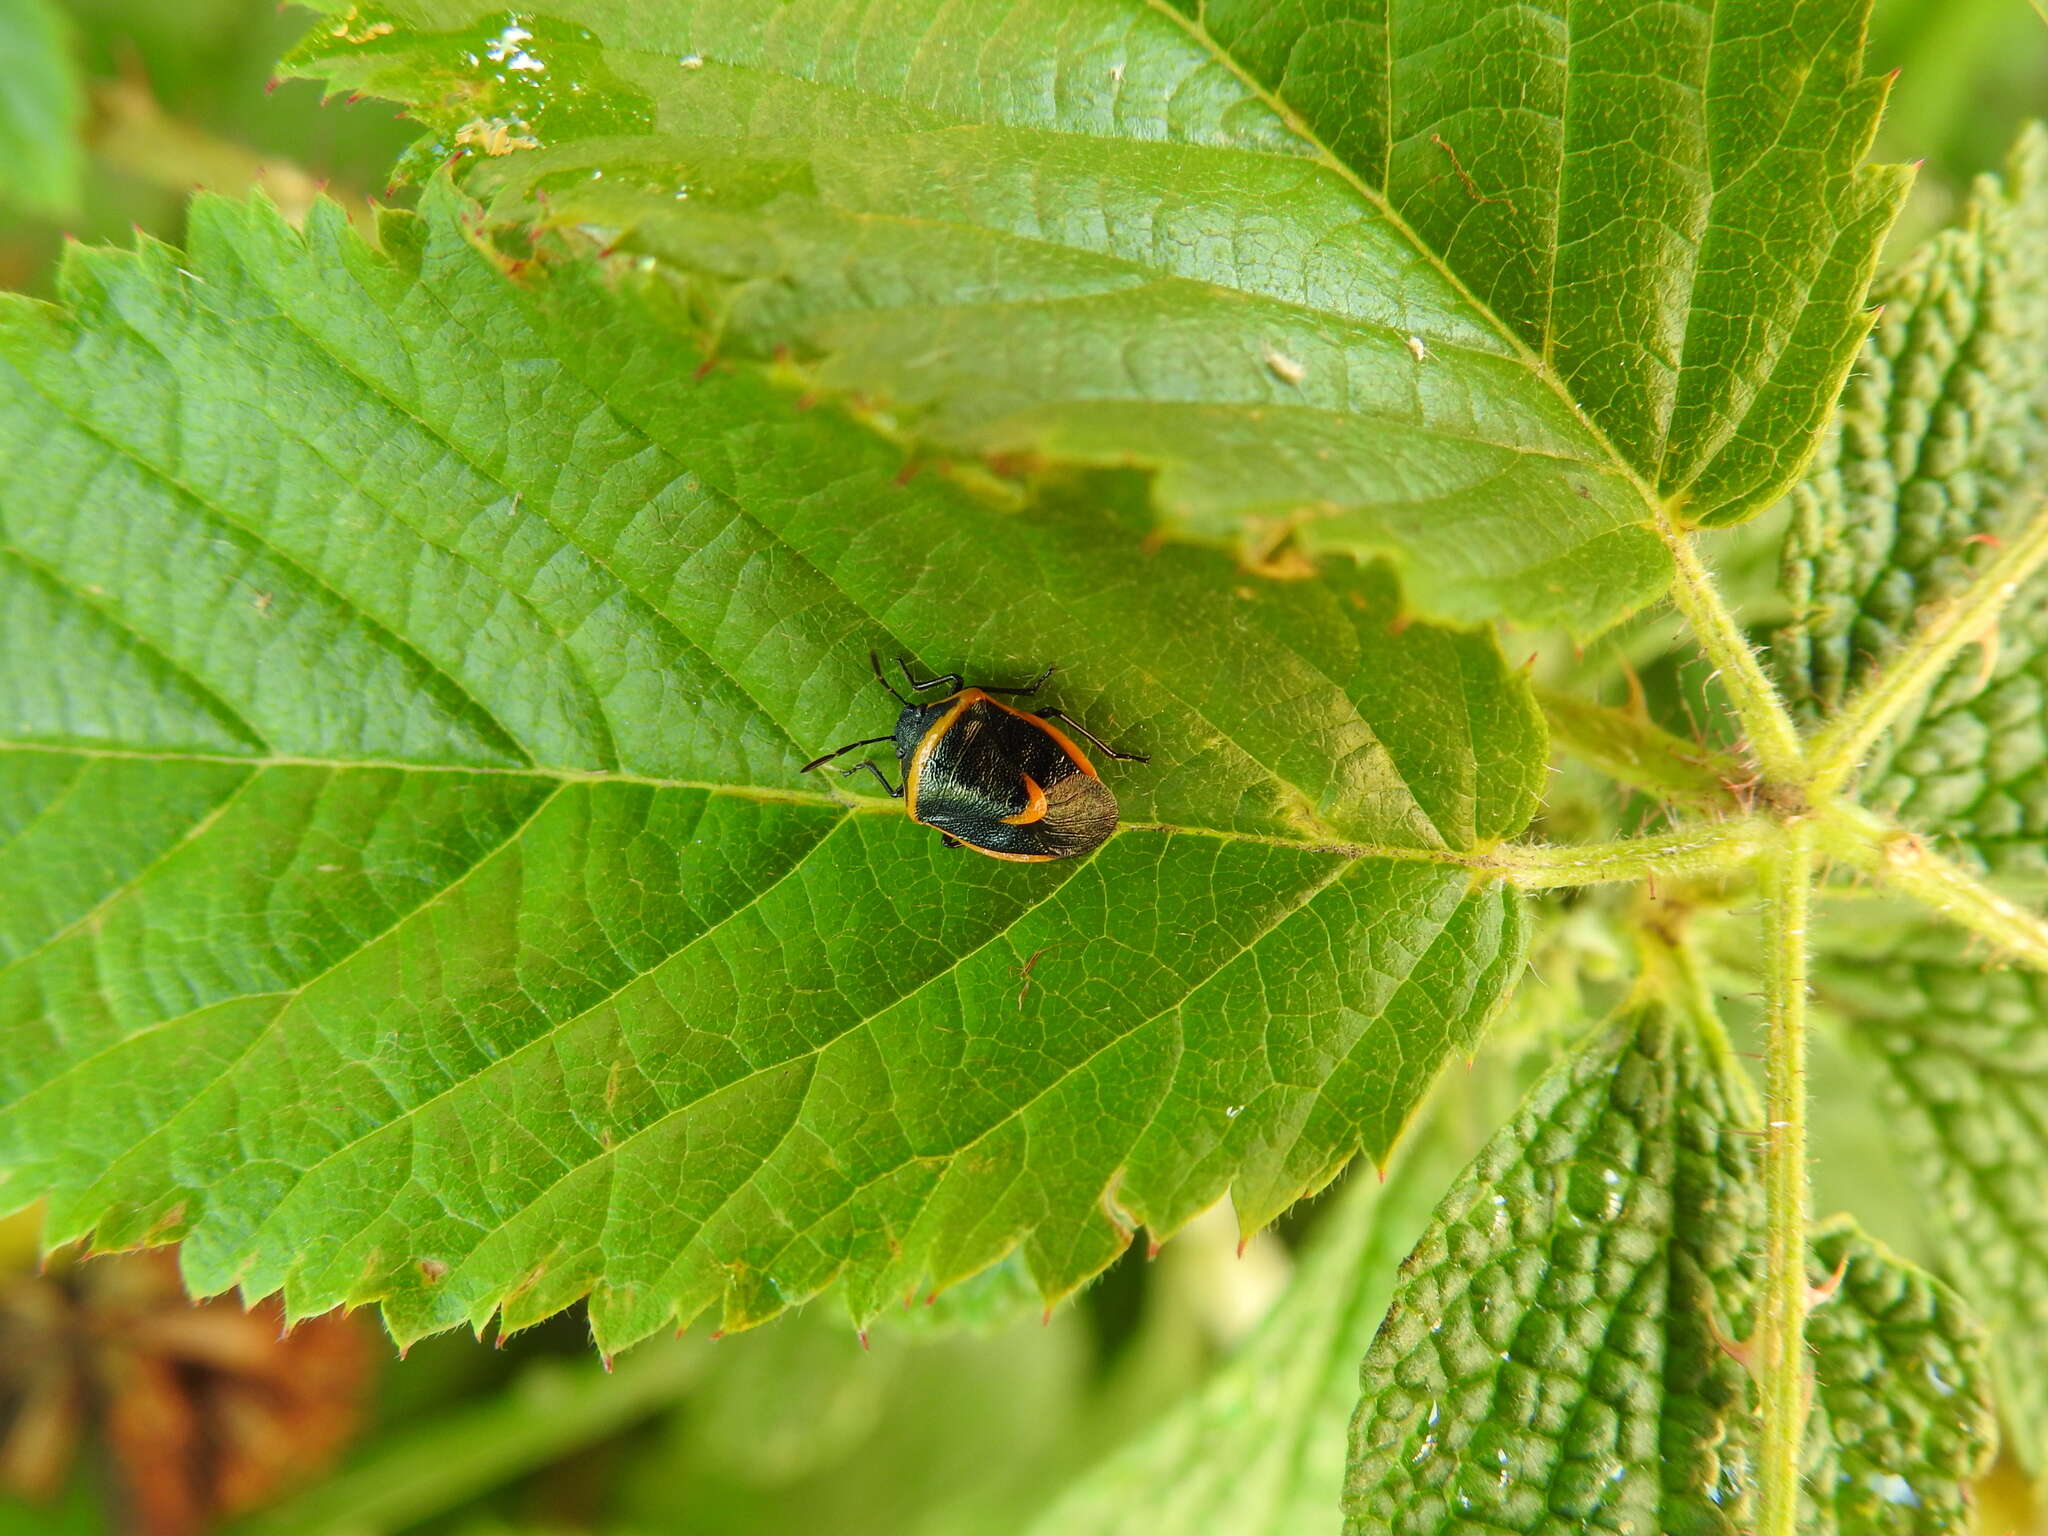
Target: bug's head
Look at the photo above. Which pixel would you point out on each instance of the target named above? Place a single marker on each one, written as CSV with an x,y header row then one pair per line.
x,y
911,726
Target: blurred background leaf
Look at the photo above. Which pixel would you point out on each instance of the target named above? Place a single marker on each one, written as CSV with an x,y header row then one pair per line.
x,y
40,108
163,99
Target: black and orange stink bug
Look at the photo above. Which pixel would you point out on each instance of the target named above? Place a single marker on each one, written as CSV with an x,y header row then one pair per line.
x,y
1002,781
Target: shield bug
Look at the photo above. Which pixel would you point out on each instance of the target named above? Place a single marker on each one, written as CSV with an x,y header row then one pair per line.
x,y
1000,780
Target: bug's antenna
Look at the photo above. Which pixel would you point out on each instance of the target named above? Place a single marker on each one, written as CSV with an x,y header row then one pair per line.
x,y
819,762
875,661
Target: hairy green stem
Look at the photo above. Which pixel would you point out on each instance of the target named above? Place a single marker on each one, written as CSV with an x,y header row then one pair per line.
x,y
1903,862
1969,618
1707,848
1773,739
1779,1362
1673,965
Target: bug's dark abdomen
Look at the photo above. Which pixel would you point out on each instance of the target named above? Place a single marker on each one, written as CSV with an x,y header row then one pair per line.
x,y
975,776
1081,813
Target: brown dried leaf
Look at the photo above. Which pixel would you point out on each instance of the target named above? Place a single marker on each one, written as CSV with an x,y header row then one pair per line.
x,y
204,1410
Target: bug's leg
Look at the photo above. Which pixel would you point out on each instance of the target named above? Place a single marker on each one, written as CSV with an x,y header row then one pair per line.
x,y
819,762
953,681
949,840
1082,730
1036,683
875,661
894,791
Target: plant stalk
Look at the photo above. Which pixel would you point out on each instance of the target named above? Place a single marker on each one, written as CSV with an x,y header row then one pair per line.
x,y
1706,848
1969,619
1903,862
1673,965
1779,1362
1773,739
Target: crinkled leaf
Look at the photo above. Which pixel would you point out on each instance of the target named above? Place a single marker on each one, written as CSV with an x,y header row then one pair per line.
x,y
42,106
1259,1451
1474,286
1961,1062
1940,445
407,887
1550,1361
1902,1418
1969,761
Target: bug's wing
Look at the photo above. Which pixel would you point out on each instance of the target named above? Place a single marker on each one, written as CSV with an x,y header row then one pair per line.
x,y
1080,813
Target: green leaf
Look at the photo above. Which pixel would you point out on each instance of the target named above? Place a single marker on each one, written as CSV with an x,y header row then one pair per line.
x,y
798,1428
1260,1449
1969,762
1476,287
1902,1422
468,940
1959,1061
42,108
1551,1363
1940,445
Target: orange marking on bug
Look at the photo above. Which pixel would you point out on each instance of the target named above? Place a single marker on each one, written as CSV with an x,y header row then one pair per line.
x,y
1014,858
1034,804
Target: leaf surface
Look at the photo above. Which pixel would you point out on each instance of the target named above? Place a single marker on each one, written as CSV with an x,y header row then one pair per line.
x,y
1969,762
1550,1362
467,939
42,107
1480,288
1940,445
1903,1422
1959,1062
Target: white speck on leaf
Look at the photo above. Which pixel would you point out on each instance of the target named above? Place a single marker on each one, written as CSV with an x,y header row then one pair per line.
x,y
1285,368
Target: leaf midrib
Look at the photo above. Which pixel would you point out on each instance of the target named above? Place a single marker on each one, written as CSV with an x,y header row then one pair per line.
x,y
1473,858
400,646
